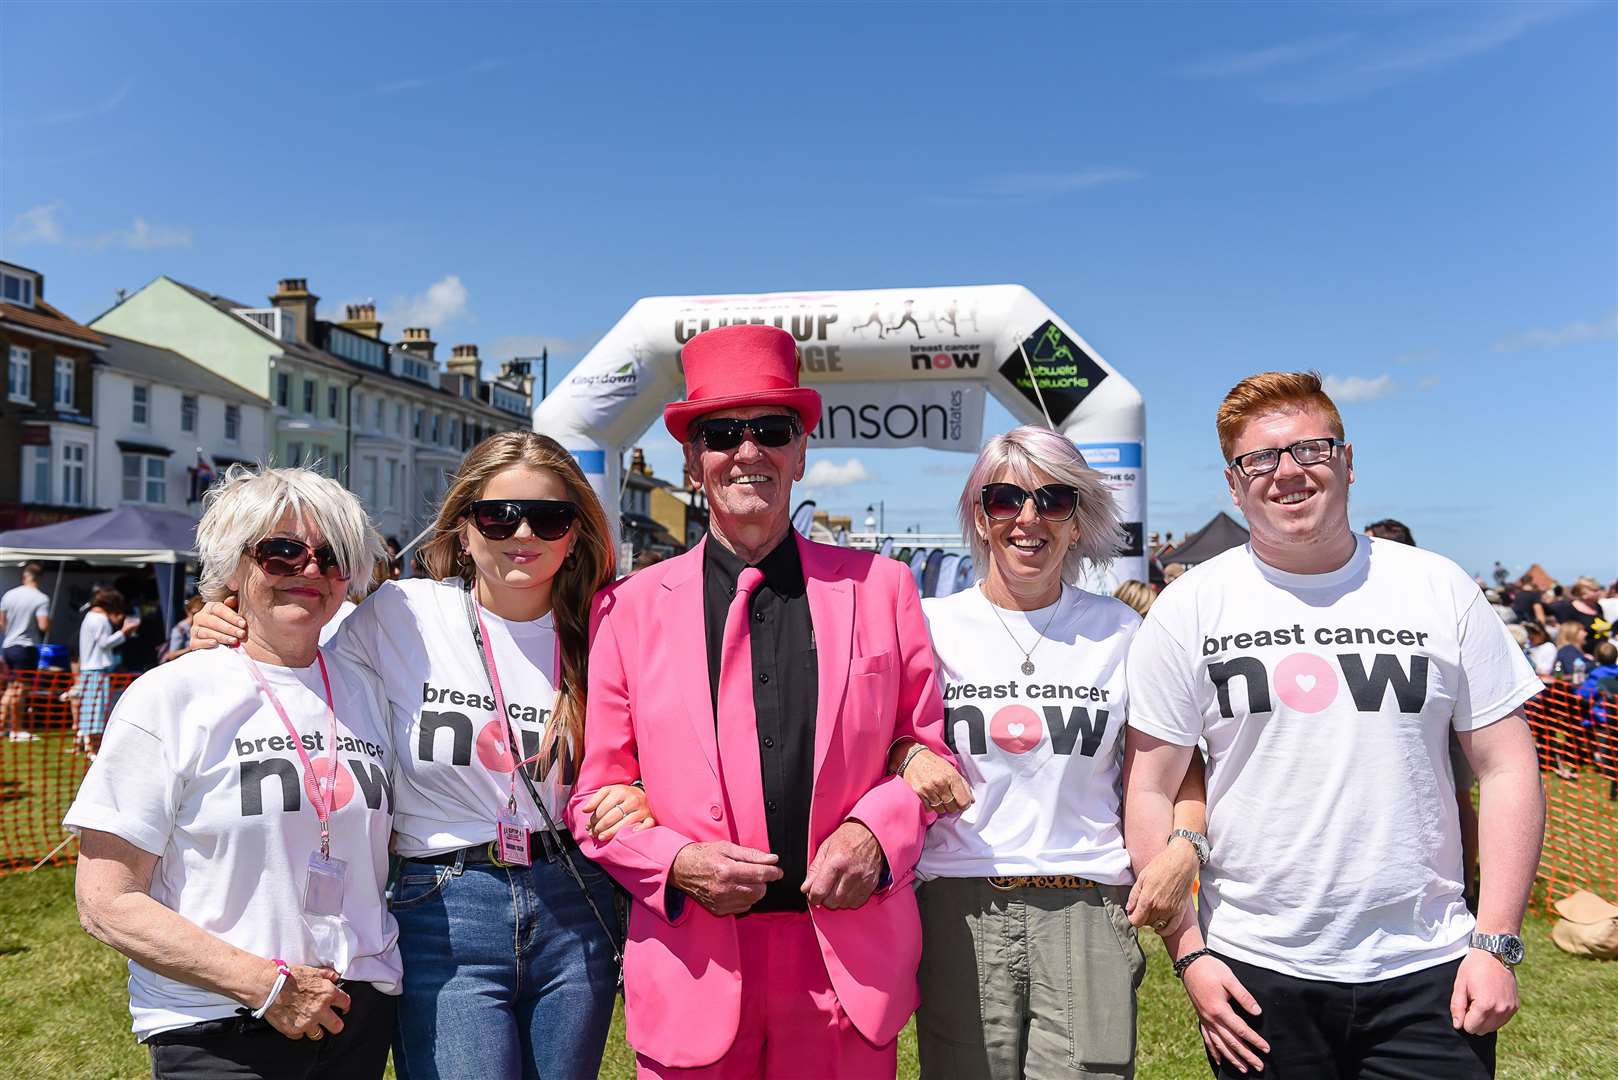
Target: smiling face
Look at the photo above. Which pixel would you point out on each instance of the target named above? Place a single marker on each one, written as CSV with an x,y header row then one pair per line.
x,y
1025,552
523,560
750,487
296,604
1296,506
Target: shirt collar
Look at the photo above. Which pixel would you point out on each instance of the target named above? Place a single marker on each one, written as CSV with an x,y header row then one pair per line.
x,y
782,567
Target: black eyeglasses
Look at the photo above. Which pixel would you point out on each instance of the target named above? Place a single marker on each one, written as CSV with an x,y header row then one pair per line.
x,y
282,556
497,519
1054,502
1304,452
725,433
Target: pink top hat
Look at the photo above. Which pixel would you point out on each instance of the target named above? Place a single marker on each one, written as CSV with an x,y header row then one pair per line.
x,y
733,367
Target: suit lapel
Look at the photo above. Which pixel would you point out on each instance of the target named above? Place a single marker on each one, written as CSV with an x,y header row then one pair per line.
x,y
831,612
681,628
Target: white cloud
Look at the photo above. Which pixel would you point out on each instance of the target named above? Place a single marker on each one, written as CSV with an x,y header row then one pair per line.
x,y
829,474
143,236
1573,333
1357,389
41,226
1031,186
1247,63
38,226
444,302
1376,69
105,105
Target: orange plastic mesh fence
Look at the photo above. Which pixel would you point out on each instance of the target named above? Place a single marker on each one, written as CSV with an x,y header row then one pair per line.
x,y
40,763
1577,741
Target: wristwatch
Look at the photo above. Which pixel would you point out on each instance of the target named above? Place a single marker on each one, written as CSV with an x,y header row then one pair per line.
x,y
1197,840
1507,948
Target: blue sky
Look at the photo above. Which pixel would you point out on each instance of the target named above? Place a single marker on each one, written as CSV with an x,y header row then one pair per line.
x,y
1420,201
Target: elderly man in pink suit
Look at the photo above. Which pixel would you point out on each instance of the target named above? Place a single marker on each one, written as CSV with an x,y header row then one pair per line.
x,y
754,685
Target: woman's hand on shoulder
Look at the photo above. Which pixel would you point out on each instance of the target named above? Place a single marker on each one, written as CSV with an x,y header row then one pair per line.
x,y
615,806
218,623
308,1005
935,781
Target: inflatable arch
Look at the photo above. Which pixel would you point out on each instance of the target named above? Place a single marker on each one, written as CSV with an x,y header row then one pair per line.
x,y
896,367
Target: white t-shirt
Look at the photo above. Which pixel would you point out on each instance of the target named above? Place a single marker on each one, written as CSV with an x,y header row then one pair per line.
x,y
1042,752
22,607
1327,701
344,610
197,769
1543,657
454,769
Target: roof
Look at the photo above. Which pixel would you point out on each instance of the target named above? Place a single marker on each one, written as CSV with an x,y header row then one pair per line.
x,y
171,368
1220,534
128,534
305,351
45,318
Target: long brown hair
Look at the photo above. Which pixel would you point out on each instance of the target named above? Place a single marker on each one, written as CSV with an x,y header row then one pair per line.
x,y
589,568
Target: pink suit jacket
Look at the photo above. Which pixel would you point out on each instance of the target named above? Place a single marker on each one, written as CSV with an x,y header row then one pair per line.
x,y
651,718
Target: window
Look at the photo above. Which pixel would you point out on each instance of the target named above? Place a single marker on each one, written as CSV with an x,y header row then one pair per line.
x,y
379,406
357,417
338,472
420,416
331,402
19,374
145,479
74,456
36,474
393,485
398,418
283,389
63,384
309,396
294,454
139,402
367,490
454,430
436,428
188,413
17,289
233,423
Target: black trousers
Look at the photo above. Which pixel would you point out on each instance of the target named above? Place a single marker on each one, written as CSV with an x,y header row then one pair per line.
x,y
1394,1029
241,1048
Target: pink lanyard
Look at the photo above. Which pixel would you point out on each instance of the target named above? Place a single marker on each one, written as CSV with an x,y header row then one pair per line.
x,y
493,672
321,788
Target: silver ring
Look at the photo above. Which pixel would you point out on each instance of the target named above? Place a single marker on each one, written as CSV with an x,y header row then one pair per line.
x,y
1160,924
620,808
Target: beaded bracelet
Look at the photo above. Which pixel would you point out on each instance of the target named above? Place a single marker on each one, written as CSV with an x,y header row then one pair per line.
x,y
282,974
910,756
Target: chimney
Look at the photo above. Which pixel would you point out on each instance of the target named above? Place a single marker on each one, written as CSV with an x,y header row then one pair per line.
x,y
362,320
292,295
418,342
464,361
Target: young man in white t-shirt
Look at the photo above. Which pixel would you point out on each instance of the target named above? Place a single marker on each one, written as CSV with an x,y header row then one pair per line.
x,y
1325,671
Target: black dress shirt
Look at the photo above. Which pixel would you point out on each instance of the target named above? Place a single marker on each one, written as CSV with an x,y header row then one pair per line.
x,y
785,694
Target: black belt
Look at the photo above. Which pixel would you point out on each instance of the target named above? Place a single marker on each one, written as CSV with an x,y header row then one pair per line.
x,y
540,844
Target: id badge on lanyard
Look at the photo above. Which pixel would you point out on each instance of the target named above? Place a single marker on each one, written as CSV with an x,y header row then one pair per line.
x,y
511,826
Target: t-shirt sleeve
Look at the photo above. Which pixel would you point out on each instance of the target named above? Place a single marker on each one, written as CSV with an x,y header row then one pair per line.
x,y
133,788
359,638
1495,677
1160,674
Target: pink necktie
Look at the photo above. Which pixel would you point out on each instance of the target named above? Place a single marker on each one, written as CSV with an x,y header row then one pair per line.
x,y
738,724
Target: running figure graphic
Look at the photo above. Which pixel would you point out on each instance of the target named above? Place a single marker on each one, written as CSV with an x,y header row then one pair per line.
x,y
908,317
876,317
949,317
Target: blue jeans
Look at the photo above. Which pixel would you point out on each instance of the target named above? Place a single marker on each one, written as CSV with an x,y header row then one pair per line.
x,y
507,974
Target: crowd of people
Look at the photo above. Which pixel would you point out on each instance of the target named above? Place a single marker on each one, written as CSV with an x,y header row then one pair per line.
x,y
792,803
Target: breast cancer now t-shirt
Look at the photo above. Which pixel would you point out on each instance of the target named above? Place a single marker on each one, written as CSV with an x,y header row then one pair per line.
x,y
454,772
1041,752
198,769
1327,702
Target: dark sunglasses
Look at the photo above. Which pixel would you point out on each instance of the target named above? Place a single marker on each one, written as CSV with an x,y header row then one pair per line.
x,y
497,519
725,433
283,556
1055,502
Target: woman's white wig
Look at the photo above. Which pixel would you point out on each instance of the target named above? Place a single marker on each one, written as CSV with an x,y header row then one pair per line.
x,y
247,504
1036,456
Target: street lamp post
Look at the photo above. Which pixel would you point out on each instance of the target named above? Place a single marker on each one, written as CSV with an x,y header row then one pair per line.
x,y
877,523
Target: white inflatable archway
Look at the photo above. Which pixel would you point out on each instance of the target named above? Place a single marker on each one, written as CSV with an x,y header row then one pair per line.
x,y
896,367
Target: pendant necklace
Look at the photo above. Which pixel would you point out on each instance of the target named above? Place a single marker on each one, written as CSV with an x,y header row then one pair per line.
x,y
1027,654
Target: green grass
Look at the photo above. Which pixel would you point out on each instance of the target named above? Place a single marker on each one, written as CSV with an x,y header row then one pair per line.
x,y
63,1010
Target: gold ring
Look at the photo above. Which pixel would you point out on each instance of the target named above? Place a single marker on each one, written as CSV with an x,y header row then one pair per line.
x,y
317,1033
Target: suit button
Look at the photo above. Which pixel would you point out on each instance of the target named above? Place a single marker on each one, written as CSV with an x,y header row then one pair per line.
x,y
759,616
764,678
769,743
715,813
770,806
